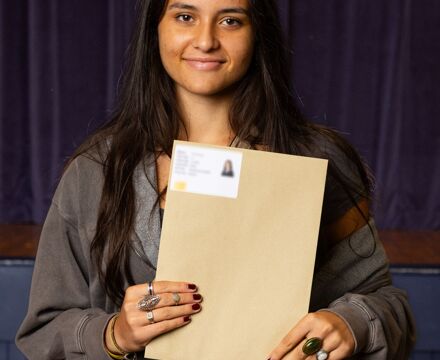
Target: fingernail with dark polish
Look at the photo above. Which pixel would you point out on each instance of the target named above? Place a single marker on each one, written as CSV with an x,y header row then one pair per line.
x,y
197,297
196,307
192,286
186,318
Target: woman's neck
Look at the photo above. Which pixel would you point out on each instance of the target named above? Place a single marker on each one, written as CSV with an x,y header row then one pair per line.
x,y
206,118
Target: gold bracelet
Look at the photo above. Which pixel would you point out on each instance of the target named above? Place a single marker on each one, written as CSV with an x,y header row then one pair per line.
x,y
112,333
113,355
110,353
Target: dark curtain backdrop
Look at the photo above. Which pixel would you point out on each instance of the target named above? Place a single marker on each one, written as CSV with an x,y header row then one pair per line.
x,y
369,68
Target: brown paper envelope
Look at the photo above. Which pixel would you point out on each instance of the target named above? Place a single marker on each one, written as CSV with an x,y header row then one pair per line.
x,y
252,257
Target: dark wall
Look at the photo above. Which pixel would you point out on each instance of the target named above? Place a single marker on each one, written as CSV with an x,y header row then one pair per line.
x,y
368,68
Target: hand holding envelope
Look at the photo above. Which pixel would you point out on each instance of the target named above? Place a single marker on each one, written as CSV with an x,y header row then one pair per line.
x,y
247,240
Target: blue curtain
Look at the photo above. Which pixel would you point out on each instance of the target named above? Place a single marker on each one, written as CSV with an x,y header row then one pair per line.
x,y
369,68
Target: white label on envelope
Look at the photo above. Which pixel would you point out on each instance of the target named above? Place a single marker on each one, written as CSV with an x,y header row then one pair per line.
x,y
206,171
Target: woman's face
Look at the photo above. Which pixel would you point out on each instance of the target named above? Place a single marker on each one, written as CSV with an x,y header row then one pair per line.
x,y
206,46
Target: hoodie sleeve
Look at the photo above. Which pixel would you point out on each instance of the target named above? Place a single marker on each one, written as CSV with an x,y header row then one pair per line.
x,y
63,321
354,283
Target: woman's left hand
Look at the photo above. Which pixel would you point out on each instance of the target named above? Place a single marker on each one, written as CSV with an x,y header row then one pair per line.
x,y
337,338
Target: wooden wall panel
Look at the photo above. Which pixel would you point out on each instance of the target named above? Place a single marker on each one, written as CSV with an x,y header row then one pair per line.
x,y
403,247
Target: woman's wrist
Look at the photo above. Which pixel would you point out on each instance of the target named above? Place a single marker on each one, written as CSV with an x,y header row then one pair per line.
x,y
111,346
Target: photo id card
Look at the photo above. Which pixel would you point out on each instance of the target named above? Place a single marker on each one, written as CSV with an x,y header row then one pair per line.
x,y
206,171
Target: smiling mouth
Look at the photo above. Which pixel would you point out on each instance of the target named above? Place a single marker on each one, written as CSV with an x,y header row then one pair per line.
x,y
204,64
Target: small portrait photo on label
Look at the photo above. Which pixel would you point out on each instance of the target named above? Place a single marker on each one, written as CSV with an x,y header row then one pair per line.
x,y
228,169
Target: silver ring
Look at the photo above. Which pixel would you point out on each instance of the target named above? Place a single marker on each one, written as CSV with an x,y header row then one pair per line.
x,y
176,298
150,288
148,302
150,317
322,355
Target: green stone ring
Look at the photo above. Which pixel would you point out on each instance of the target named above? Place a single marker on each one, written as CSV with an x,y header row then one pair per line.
x,y
312,346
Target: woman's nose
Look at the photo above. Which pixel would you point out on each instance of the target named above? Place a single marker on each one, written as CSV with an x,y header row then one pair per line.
x,y
205,38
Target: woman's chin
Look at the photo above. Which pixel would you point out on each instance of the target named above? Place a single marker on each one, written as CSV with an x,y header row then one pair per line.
x,y
204,89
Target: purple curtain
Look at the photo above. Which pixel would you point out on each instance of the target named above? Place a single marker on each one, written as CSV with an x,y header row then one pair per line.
x,y
368,68
60,63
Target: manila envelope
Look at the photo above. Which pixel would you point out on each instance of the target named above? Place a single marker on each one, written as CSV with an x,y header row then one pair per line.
x,y
248,239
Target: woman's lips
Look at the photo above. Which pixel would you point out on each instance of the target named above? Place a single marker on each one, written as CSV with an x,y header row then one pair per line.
x,y
204,64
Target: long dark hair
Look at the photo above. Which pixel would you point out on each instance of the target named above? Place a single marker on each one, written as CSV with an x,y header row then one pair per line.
x,y
147,120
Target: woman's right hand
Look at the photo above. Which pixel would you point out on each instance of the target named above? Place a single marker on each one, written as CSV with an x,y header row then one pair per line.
x,y
133,331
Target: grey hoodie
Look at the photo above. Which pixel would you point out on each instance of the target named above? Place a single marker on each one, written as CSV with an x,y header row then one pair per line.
x,y
69,309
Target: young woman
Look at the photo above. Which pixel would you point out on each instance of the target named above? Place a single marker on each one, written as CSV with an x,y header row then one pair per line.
x,y
208,71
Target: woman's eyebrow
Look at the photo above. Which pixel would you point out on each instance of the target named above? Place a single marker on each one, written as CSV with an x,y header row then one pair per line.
x,y
183,6
233,10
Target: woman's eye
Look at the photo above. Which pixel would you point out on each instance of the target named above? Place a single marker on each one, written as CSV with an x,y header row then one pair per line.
x,y
184,17
231,22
